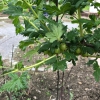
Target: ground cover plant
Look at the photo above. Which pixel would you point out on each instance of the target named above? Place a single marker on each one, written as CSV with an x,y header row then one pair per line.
x,y
44,28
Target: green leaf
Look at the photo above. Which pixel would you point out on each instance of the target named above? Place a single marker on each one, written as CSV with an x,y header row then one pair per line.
x,y
1,5
96,73
19,65
29,26
69,56
1,62
60,65
81,20
40,33
79,2
44,47
90,62
38,2
56,32
66,7
19,3
16,83
51,61
25,43
97,45
26,33
17,24
52,9
93,17
32,52
87,50
96,34
72,34
97,22
14,10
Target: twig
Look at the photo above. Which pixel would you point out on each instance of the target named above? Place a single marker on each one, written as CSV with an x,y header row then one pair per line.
x,y
87,44
58,85
62,86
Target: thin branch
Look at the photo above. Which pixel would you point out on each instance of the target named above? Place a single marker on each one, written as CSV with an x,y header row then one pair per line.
x,y
87,44
58,78
29,67
62,85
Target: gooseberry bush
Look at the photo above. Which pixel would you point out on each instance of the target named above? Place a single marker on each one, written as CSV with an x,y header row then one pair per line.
x,y
43,26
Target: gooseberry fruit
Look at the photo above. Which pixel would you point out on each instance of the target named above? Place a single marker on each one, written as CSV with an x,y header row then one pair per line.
x,y
57,50
63,46
78,51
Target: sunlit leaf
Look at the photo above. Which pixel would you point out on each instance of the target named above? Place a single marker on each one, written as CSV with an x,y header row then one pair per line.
x,y
56,32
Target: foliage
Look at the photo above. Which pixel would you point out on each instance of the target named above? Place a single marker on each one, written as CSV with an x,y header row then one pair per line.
x,y
49,33
1,62
16,83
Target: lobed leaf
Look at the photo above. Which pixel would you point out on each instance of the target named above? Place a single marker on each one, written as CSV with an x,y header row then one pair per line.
x,y
55,33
